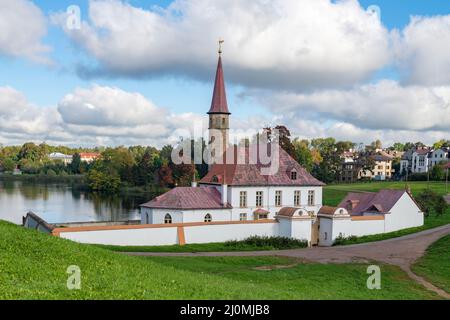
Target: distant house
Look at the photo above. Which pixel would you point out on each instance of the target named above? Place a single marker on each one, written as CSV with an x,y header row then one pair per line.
x,y
89,156
381,171
420,160
369,213
354,166
439,156
57,156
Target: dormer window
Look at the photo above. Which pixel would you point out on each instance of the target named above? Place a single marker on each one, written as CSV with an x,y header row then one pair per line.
x,y
293,175
215,179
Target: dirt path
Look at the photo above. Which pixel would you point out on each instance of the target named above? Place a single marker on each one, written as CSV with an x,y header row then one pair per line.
x,y
402,252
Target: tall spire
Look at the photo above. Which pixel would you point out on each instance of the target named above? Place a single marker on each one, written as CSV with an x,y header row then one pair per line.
x,y
219,103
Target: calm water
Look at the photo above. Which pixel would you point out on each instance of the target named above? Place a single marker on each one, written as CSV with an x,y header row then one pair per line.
x,y
59,203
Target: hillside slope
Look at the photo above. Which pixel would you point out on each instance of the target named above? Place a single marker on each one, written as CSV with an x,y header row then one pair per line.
x,y
33,266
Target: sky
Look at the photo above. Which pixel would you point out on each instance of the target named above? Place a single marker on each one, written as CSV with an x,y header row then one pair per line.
x,y
142,71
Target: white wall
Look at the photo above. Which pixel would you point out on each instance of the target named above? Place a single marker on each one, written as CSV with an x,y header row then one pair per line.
x,y
126,237
347,227
225,232
404,214
158,236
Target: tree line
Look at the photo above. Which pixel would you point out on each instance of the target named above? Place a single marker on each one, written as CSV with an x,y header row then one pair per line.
x,y
149,167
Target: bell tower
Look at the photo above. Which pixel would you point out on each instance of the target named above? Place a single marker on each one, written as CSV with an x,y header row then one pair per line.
x,y
219,116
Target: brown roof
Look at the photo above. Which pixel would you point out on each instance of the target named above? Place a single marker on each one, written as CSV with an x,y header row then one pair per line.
x,y
423,151
327,210
247,174
382,202
261,211
287,211
219,101
188,198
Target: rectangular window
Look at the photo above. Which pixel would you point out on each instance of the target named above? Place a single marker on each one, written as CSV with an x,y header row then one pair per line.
x,y
243,199
297,195
243,217
278,198
259,198
311,200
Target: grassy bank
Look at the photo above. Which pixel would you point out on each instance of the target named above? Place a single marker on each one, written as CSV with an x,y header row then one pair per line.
x,y
435,264
33,266
43,178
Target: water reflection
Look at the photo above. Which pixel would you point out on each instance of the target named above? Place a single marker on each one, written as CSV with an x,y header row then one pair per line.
x,y
65,202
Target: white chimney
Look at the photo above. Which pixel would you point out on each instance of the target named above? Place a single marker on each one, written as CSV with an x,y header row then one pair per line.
x,y
224,193
194,184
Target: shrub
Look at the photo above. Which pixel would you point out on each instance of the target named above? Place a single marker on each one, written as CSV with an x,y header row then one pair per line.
x,y
430,202
51,173
342,240
269,242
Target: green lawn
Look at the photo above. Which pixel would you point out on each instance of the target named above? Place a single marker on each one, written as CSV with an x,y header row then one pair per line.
x,y
33,266
435,264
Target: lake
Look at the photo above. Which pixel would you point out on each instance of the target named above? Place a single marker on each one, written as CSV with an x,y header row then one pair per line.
x,y
65,202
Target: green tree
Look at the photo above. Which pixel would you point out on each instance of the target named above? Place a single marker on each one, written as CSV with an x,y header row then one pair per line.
x,y
437,173
75,166
303,154
8,164
103,181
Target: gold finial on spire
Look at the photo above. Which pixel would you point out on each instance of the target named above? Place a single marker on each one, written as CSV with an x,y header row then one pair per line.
x,y
221,41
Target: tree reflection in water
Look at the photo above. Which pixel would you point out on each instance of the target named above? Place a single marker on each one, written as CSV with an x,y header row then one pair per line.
x,y
66,202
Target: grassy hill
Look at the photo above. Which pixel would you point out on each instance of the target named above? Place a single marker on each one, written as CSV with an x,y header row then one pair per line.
x,y
33,266
435,265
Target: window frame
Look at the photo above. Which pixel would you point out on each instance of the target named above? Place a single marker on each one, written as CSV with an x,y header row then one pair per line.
x,y
168,219
297,198
278,198
259,200
311,198
243,199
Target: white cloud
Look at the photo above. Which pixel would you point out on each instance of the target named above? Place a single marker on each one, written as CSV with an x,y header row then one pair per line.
x,y
108,106
22,26
94,116
294,44
383,105
423,50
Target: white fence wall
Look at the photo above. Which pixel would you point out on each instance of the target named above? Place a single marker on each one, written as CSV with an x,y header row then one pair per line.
x,y
330,229
125,237
225,232
169,235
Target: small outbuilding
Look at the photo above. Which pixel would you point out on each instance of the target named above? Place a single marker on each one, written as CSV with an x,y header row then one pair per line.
x,y
367,213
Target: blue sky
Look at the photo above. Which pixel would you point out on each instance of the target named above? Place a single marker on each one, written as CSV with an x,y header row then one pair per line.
x,y
45,85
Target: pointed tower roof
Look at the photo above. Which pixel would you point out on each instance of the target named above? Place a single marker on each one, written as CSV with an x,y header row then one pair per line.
x,y
219,101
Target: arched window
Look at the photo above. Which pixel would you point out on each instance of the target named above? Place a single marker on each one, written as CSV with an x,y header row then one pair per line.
x,y
168,219
215,179
208,218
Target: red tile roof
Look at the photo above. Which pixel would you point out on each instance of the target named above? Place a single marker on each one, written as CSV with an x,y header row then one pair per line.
x,y
89,155
188,198
383,201
219,101
247,174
